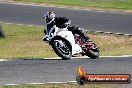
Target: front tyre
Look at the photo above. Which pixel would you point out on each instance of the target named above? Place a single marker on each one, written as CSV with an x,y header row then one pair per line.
x,y
62,47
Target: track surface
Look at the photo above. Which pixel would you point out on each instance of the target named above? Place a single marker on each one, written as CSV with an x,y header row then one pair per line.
x,y
41,70
93,20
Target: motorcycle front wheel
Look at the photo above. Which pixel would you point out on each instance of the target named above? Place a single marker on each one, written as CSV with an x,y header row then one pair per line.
x,y
62,48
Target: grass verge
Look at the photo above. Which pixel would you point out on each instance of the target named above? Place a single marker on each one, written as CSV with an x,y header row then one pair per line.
x,y
69,85
114,4
26,42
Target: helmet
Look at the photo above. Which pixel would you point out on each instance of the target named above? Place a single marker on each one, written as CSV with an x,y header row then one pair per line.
x,y
49,17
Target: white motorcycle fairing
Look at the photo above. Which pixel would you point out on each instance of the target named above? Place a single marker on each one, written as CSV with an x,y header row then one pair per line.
x,y
67,35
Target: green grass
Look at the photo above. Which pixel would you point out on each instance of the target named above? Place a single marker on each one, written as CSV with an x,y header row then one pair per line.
x,y
69,85
114,4
26,42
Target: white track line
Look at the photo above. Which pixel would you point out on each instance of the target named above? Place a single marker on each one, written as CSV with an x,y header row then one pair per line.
x,y
11,84
81,57
55,82
45,83
118,56
88,57
3,60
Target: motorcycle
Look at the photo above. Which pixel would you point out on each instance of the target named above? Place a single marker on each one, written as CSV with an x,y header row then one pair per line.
x,y
65,44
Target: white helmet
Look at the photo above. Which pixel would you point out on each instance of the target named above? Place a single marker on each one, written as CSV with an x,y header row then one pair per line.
x,y
49,17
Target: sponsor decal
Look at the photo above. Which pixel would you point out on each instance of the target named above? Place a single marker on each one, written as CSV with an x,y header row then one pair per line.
x,y
83,78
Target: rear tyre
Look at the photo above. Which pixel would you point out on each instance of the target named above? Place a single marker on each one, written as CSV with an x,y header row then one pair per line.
x,y
62,47
94,52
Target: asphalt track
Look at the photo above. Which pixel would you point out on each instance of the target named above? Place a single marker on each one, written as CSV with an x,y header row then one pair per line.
x,y
92,20
24,71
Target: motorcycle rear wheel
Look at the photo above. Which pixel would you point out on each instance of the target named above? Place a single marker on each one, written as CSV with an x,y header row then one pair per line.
x,y
93,53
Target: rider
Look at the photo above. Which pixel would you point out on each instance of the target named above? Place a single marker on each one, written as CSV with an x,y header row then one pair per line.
x,y
61,22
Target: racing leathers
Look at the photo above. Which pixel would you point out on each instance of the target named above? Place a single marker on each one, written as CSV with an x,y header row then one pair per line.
x,y
63,22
